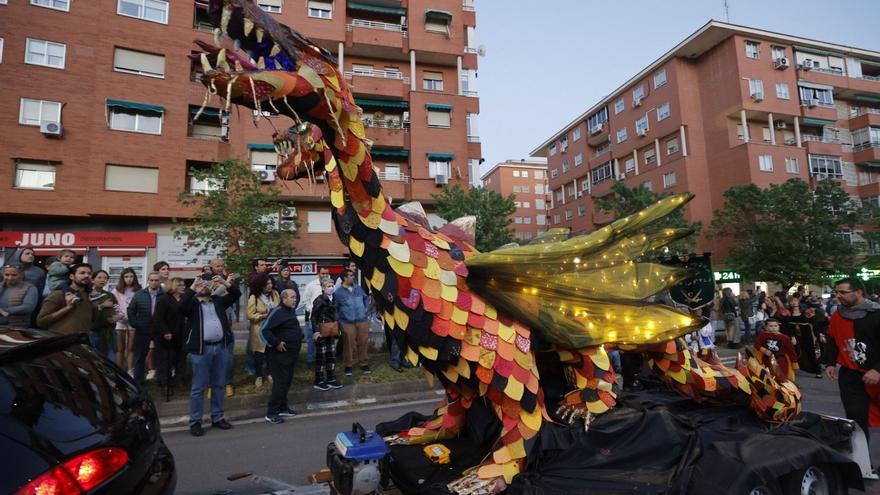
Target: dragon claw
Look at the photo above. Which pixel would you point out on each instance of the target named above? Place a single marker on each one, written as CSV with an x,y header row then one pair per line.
x,y
572,414
471,484
396,440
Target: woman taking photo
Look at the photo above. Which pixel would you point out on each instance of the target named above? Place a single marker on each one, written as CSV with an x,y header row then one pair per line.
x,y
102,336
124,292
262,300
728,310
170,358
324,311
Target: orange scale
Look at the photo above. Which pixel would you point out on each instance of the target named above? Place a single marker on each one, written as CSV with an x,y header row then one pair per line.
x,y
525,431
512,436
490,326
457,331
446,262
425,234
533,385
386,241
521,330
470,352
419,260
431,288
506,350
417,280
478,306
461,284
476,321
446,310
440,327
510,407
485,375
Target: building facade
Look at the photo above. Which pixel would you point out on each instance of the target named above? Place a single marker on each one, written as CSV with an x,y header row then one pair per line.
x,y
98,136
527,180
729,105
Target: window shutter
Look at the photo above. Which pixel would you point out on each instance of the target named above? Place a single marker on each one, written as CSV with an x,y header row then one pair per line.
x,y
139,61
272,3
438,118
264,158
132,179
321,5
437,76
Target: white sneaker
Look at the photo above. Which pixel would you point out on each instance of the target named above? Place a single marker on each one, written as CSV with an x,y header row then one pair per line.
x,y
259,382
151,374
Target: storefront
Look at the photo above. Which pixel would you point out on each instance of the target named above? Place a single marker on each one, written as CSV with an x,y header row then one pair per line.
x,y
110,251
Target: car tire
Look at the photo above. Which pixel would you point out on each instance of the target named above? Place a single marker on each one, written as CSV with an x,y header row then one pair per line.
x,y
819,479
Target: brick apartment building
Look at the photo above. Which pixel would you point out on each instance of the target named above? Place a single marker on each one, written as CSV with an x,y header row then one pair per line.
x,y
97,135
527,180
729,105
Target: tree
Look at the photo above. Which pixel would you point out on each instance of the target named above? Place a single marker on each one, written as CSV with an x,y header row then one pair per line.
x,y
491,209
237,215
788,233
628,200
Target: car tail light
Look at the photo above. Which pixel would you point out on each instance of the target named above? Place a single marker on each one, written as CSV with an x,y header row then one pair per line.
x,y
78,475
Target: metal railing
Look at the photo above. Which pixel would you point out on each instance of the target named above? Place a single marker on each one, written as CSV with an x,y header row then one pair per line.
x,y
601,151
397,177
473,139
473,94
470,49
871,78
386,124
468,6
836,72
385,26
865,146
822,139
383,74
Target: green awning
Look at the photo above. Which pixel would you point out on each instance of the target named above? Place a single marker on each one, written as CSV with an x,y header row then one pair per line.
x,y
871,164
261,147
814,121
381,103
376,8
208,112
440,156
389,152
868,98
445,14
437,106
130,105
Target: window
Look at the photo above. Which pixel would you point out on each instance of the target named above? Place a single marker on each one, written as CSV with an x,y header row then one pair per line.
x,y
541,219
756,89
576,134
131,179
578,159
778,52
517,204
585,185
791,165
516,189
525,189
539,174
527,220
650,156
568,214
526,204
739,132
663,111
556,218
648,185
563,144
765,163
34,112
752,49
321,9
439,167
135,120
768,136
571,191
472,127
30,175
660,79
433,81
668,179
816,96
619,106
271,6
565,166
518,220
601,173
46,53
53,4
596,121
435,23
539,188
553,149
144,64
525,174
822,166
866,137
642,126
516,173
211,124
782,91
148,10
540,204
621,135
672,146
582,210
629,165
559,194
553,173
318,222
439,118
638,94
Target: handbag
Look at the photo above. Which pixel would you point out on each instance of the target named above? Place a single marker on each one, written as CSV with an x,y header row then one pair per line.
x,y
329,329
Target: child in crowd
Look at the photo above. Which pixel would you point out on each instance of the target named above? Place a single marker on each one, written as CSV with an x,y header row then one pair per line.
x,y
771,343
59,270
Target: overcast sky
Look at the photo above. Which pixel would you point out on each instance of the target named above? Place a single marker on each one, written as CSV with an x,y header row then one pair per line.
x,y
548,61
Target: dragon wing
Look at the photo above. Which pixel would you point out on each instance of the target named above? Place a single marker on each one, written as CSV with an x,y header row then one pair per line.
x,y
589,289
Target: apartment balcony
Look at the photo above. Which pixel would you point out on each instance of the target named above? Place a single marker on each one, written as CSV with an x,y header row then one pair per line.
x,y
867,190
869,118
379,82
376,33
600,156
867,153
598,134
390,133
825,145
814,110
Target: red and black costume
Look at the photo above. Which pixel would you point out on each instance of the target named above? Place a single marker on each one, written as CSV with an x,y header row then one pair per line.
x,y
780,345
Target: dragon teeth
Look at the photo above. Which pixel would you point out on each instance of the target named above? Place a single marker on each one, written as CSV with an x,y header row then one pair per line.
x,y
261,64
238,66
217,34
206,65
224,20
275,50
260,33
248,27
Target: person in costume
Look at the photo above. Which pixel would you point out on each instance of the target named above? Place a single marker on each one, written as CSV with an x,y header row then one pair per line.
x,y
854,343
799,327
771,343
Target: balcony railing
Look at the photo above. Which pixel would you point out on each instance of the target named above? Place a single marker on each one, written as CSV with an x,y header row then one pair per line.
x,y
871,78
601,151
470,49
866,146
836,72
473,139
468,6
822,139
473,94
385,26
394,176
383,74
386,124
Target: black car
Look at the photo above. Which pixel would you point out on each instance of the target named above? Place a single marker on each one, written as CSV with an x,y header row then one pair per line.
x,y
72,422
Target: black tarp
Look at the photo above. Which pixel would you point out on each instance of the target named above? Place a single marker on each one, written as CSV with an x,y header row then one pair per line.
x,y
653,443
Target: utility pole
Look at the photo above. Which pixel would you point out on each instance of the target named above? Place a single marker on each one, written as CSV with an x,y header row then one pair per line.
x,y
726,11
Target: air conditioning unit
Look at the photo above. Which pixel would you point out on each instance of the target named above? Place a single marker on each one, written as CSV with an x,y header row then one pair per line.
x,y
288,212
757,96
808,64
266,175
52,129
441,179
637,102
641,132
781,125
621,176
781,63
287,225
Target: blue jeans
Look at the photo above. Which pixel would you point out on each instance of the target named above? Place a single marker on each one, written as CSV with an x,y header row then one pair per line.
x,y
615,360
395,353
141,349
209,369
95,340
230,359
310,347
747,329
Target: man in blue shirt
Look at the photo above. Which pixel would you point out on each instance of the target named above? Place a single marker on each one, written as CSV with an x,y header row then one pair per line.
x,y
351,310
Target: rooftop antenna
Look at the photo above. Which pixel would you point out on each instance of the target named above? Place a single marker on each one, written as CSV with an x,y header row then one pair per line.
x,y
727,11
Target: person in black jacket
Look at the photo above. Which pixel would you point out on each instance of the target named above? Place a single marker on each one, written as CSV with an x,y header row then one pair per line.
x,y
208,333
283,338
169,322
324,311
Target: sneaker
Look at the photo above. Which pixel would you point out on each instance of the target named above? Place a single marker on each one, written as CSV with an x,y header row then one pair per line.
x,y
196,430
287,413
322,386
222,424
259,382
230,391
334,383
366,370
274,419
348,371
151,374
270,379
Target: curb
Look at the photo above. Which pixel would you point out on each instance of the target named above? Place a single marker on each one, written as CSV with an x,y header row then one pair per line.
x,y
176,412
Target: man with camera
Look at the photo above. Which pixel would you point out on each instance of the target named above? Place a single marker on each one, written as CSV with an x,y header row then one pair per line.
x,y
206,338
70,310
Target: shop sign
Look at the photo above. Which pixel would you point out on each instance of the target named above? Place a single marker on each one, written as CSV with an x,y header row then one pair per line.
x,y
63,239
727,276
182,252
303,267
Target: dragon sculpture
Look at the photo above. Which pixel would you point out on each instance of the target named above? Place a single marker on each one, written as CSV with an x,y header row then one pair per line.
x,y
476,322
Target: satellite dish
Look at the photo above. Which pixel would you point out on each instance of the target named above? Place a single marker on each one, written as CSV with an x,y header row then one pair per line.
x,y
481,50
